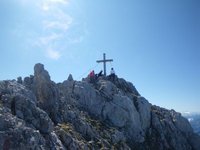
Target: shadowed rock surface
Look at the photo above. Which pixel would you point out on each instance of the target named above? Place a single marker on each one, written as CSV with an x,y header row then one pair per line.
x,y
36,113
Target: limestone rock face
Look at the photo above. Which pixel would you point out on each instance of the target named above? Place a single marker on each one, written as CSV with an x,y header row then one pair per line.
x,y
32,115
36,113
144,110
22,123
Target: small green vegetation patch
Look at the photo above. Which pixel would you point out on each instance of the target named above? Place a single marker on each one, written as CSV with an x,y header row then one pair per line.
x,y
66,127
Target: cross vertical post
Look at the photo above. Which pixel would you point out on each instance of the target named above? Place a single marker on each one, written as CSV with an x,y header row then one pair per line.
x,y
104,62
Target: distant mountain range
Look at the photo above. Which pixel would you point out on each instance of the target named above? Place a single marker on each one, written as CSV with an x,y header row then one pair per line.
x,y
194,119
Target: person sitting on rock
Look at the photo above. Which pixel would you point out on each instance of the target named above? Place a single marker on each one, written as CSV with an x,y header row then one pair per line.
x,y
112,74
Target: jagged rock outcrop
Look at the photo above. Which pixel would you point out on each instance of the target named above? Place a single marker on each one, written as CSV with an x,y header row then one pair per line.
x,y
45,91
36,113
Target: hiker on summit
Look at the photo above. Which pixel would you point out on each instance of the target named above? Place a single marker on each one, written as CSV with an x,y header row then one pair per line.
x,y
112,74
92,76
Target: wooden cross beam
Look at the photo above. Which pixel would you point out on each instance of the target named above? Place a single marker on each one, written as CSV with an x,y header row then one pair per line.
x,y
104,62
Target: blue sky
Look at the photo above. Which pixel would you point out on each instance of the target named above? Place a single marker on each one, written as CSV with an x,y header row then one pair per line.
x,y
155,44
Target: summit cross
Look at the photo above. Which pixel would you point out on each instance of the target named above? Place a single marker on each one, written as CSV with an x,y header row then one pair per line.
x,y
104,62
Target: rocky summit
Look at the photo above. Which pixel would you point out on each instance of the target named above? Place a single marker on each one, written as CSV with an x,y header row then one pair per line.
x,y
39,114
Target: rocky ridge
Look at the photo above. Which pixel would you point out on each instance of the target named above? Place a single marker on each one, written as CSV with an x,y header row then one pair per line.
x,y
36,113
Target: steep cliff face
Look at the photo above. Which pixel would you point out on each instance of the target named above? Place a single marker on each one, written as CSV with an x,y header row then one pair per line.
x,y
36,113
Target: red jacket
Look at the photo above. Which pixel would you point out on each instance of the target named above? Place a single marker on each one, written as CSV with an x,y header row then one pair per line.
x,y
92,74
